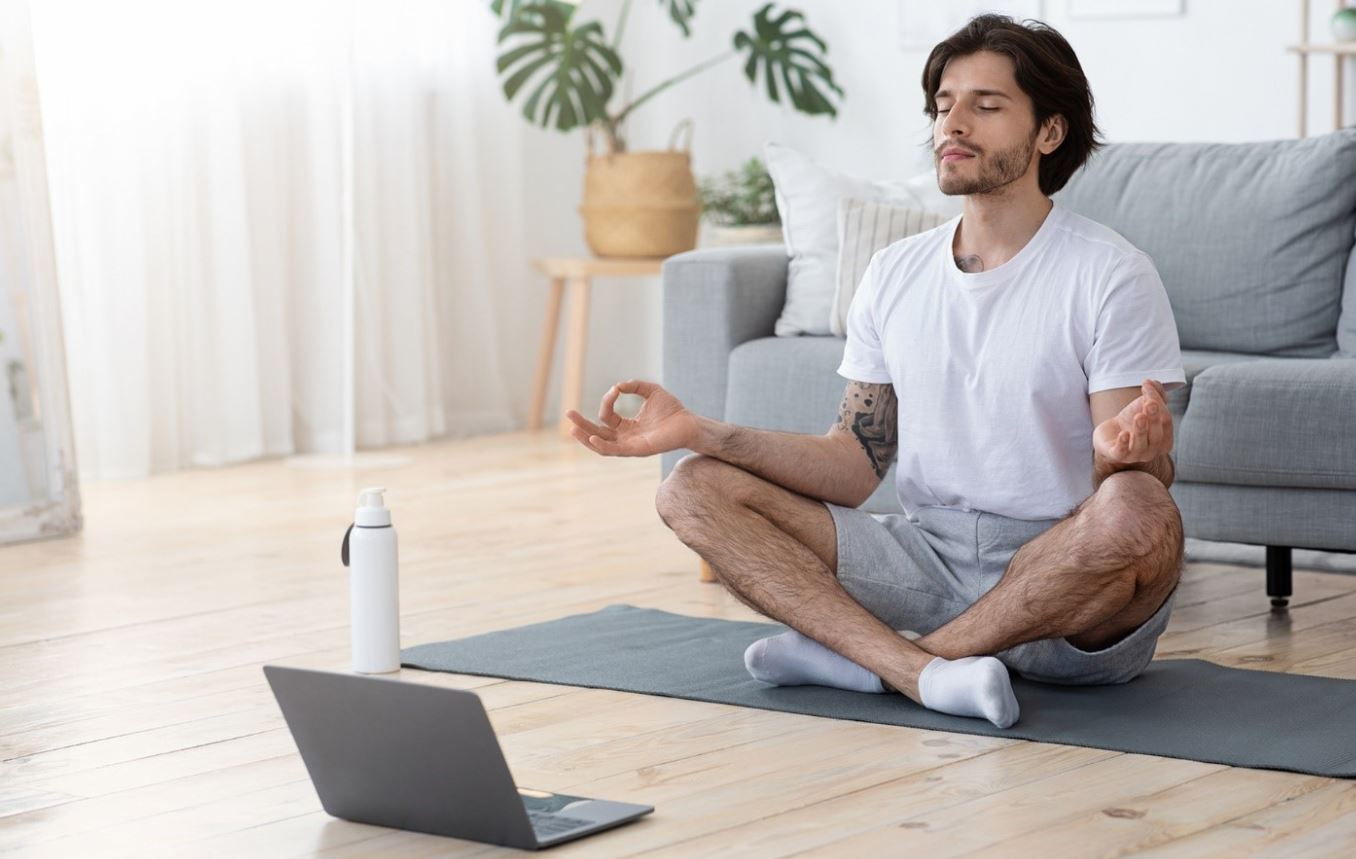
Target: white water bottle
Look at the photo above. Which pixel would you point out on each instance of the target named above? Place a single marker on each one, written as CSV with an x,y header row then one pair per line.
x,y
369,552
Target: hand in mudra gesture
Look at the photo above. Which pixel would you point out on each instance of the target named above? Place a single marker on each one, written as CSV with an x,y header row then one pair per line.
x,y
1140,432
662,424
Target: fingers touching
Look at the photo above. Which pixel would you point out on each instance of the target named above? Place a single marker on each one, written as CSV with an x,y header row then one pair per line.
x,y
606,412
1154,392
637,386
1147,423
1152,400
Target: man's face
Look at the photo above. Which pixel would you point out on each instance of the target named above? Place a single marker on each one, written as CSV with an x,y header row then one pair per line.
x,y
984,137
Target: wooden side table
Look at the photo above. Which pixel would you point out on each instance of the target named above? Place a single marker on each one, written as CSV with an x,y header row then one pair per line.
x,y
578,273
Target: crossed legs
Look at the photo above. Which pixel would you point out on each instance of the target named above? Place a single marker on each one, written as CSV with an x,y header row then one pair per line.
x,y
1093,577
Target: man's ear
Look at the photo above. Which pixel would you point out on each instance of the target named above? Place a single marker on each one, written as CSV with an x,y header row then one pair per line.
x,y
1056,127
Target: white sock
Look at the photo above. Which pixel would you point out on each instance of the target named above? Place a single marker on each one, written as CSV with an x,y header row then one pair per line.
x,y
792,659
976,686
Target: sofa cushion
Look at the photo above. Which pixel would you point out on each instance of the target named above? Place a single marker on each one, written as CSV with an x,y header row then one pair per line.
x,y
773,378
1272,422
786,383
1194,361
1251,239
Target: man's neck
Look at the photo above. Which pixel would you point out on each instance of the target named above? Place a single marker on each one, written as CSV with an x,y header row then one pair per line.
x,y
995,227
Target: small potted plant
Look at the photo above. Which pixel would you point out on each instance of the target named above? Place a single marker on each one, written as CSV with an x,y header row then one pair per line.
x,y
740,206
566,74
1344,24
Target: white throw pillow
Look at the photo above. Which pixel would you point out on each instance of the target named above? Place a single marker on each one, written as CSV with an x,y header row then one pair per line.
x,y
865,227
807,200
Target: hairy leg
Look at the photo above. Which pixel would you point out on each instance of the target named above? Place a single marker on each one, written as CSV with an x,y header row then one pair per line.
x,y
1093,577
776,551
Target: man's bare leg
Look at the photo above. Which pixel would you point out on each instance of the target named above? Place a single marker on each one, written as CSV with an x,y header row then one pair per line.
x,y
776,551
1093,578
784,566
758,539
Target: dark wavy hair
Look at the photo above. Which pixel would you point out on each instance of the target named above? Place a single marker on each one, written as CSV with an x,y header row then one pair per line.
x,y
1047,70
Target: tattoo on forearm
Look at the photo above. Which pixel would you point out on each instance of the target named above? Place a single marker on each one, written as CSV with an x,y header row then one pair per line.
x,y
970,264
870,411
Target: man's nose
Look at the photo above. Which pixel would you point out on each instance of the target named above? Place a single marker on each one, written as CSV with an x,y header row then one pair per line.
x,y
954,122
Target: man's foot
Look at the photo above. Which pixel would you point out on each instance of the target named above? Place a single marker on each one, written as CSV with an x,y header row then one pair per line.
x,y
976,686
792,659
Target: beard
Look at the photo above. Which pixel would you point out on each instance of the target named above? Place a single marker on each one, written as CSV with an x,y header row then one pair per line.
x,y
995,171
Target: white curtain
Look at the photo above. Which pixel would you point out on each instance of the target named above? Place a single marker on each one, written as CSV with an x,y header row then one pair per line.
x,y
196,158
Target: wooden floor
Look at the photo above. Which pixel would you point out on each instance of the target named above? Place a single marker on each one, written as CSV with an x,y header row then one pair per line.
x,y
135,719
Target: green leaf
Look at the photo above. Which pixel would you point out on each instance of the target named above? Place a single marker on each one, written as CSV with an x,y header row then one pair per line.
x,y
506,9
681,11
573,70
785,48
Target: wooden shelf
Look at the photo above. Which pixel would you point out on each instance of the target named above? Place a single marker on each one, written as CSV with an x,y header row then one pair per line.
x,y
1339,51
1333,48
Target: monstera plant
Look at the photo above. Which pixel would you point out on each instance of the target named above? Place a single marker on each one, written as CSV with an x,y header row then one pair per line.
x,y
566,75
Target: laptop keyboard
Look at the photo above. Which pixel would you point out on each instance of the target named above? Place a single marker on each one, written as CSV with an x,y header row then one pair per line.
x,y
546,824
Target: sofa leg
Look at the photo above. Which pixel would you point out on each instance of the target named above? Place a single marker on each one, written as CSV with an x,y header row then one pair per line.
x,y
1278,575
707,574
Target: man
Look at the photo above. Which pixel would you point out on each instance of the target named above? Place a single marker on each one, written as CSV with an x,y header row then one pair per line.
x,y
1017,360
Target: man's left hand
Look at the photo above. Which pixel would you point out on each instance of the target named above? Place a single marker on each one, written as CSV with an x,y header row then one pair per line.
x,y
1141,432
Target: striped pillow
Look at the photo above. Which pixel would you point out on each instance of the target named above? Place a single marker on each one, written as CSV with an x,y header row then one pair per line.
x,y
865,227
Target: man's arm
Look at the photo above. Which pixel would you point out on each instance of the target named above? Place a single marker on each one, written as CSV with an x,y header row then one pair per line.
x,y
1132,431
843,466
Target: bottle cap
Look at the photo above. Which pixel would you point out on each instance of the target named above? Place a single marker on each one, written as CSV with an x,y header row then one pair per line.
x,y
372,511
371,497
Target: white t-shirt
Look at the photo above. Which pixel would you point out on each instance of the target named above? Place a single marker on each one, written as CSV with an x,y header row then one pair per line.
x,y
993,369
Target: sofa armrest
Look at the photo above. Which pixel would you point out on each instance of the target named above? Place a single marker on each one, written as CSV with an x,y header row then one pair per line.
x,y
714,300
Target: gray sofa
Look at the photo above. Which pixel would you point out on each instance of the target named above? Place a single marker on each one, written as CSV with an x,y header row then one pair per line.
x,y
1256,245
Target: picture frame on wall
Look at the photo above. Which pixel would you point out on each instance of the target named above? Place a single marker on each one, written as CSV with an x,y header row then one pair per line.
x,y
1126,8
924,23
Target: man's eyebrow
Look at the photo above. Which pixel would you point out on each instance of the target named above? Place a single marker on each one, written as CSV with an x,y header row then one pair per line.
x,y
946,93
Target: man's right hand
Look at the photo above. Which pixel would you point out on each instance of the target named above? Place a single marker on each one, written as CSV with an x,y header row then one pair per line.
x,y
661,425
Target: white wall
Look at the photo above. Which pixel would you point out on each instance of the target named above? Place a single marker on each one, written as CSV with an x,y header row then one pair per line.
x,y
1218,73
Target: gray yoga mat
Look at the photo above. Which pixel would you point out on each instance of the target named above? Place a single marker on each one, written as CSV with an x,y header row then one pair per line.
x,y
1180,708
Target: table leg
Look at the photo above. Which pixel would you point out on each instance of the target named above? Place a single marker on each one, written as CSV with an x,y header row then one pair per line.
x,y
572,385
546,351
1303,92
1339,74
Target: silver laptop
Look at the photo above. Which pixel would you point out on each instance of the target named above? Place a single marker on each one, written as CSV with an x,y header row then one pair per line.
x,y
424,758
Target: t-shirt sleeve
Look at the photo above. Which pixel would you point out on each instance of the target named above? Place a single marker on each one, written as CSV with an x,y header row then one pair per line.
x,y
1135,335
863,360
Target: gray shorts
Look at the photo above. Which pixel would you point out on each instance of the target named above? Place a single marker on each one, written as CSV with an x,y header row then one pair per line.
x,y
918,573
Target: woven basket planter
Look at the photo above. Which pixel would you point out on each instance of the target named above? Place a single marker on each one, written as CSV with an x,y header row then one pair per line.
x,y
640,204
